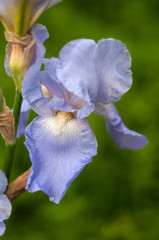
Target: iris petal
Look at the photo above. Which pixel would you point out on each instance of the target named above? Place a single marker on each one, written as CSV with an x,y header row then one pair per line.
x,y
97,73
5,207
2,228
76,69
59,149
22,123
31,86
3,182
121,135
113,62
56,87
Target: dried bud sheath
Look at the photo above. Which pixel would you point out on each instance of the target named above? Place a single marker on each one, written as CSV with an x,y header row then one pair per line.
x,y
17,187
7,127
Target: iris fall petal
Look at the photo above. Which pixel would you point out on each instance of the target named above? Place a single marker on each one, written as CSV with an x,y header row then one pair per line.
x,y
67,146
121,135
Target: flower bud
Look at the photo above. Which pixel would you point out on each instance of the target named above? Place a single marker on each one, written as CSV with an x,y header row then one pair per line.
x,y
19,52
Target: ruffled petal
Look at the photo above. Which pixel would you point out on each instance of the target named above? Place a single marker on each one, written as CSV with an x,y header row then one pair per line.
x,y
3,182
31,86
59,149
5,207
76,69
2,228
113,62
97,73
121,135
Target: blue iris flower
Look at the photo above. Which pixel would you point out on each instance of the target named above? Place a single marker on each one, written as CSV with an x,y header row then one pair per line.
x,y
87,77
5,205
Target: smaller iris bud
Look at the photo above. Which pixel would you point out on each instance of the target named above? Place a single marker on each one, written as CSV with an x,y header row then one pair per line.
x,y
7,128
19,52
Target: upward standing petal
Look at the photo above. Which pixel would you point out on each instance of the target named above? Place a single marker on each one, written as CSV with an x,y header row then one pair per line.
x,y
98,73
59,148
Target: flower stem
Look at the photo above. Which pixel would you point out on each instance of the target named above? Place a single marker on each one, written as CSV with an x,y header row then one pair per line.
x,y
10,149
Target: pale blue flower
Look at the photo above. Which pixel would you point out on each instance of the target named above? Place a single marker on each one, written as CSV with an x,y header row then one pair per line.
x,y
5,205
87,77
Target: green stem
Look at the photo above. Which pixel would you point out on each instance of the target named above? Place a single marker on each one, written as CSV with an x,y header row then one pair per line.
x,y
16,108
10,149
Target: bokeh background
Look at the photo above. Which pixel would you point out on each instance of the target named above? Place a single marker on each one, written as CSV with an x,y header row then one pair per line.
x,y
116,197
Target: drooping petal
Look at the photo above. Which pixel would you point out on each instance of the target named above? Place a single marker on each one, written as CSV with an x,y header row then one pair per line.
x,y
5,207
22,123
3,182
59,148
25,106
24,115
121,135
98,73
31,86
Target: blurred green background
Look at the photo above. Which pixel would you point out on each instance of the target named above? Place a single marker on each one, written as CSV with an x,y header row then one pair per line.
x,y
116,197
